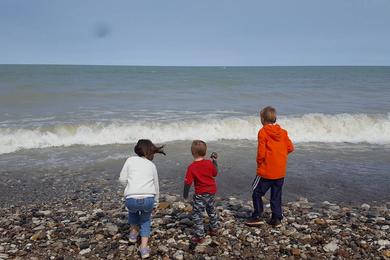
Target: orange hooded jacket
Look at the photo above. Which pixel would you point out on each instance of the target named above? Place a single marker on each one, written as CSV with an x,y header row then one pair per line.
x,y
273,148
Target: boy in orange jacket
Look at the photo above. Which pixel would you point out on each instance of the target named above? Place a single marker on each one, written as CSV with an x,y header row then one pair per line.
x,y
274,145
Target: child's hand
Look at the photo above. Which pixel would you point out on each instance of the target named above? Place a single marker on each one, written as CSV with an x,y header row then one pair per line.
x,y
214,156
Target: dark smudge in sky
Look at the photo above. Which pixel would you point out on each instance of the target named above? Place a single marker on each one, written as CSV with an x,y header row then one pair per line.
x,y
102,30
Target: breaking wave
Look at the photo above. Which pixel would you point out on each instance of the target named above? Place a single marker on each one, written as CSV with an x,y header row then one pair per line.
x,y
351,128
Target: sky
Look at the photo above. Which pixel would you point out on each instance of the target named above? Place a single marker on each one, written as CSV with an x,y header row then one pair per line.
x,y
195,33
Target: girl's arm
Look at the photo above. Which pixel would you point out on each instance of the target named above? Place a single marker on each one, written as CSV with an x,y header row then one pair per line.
x,y
157,187
124,173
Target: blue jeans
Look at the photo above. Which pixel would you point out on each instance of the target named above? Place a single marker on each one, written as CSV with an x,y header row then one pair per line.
x,y
260,187
140,211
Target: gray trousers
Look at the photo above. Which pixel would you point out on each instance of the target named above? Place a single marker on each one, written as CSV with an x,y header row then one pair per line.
x,y
200,203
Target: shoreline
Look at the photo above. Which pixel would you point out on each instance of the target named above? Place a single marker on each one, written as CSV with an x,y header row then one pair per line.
x,y
344,176
76,228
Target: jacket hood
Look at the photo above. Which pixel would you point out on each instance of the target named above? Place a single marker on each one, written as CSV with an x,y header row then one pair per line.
x,y
274,131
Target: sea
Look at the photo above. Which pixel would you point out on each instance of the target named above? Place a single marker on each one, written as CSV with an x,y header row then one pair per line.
x,y
56,118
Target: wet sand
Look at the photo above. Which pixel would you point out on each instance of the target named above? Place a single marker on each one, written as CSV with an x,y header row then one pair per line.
x,y
320,174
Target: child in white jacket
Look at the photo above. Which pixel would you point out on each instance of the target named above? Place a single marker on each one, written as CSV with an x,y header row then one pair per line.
x,y
139,174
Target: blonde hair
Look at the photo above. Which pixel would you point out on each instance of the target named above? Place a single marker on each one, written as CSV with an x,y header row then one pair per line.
x,y
268,114
198,148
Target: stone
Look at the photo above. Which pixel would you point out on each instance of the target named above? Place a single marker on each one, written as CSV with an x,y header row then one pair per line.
x,y
385,227
164,205
383,242
320,221
169,198
163,249
45,213
386,253
331,247
112,228
85,251
38,235
295,252
365,206
178,255
99,237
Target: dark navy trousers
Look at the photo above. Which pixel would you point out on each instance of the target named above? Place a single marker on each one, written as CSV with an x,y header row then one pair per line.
x,y
260,187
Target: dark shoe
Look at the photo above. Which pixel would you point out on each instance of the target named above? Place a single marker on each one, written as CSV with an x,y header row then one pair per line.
x,y
275,222
253,222
213,232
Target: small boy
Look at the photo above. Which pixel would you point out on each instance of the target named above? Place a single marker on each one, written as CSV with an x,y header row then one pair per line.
x,y
274,145
202,172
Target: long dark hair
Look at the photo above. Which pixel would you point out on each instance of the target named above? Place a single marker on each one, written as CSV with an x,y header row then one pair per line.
x,y
145,148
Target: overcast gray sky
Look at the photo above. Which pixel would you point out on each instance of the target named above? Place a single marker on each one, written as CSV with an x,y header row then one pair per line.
x,y
181,32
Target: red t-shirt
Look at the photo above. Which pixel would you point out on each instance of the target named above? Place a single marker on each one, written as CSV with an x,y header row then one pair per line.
x,y
202,173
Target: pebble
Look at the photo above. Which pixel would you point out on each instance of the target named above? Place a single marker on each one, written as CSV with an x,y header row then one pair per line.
x,y
99,230
383,242
331,247
179,255
45,212
85,251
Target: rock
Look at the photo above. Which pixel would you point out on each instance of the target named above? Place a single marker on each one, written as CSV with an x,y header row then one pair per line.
x,y
186,221
163,249
312,215
164,205
320,221
38,235
99,237
169,198
385,227
83,219
386,253
83,245
99,231
45,213
98,213
178,255
85,251
331,247
171,241
383,242
295,252
112,229
365,206
200,249
188,208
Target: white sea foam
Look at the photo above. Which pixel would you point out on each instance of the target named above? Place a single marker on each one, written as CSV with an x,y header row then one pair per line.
x,y
353,128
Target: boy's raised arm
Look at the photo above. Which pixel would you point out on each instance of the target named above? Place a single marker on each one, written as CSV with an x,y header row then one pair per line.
x,y
214,157
216,167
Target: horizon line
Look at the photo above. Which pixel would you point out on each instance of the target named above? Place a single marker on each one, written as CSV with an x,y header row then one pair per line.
x,y
200,66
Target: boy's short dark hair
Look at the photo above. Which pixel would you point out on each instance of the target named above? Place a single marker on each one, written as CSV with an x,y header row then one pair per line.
x,y
145,148
268,114
198,148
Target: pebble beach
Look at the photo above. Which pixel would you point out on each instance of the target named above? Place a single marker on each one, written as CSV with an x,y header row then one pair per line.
x,y
76,227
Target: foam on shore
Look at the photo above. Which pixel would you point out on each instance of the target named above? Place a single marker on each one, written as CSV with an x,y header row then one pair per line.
x,y
351,128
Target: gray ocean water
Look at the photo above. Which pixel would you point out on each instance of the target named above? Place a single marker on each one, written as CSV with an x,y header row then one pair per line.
x,y
86,118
